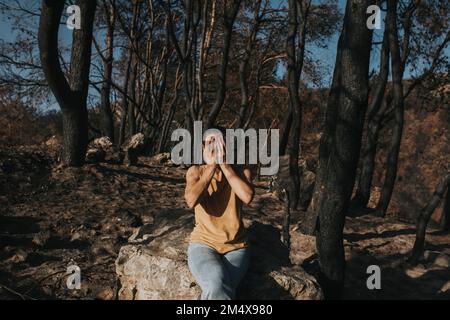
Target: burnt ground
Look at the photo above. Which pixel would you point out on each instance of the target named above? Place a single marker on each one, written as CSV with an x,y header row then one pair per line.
x,y
51,217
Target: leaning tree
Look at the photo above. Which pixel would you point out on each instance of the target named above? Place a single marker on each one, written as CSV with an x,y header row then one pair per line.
x,y
71,92
443,189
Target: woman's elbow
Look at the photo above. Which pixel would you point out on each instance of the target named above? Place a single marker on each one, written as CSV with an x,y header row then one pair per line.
x,y
248,198
190,201
190,204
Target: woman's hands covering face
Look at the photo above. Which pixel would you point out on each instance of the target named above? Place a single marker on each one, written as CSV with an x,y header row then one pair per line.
x,y
214,151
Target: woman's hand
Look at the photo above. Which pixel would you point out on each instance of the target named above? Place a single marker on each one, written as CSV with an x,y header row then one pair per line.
x,y
214,151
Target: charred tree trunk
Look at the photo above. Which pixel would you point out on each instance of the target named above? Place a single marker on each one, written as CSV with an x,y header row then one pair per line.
x,y
294,68
424,218
185,57
134,51
107,118
131,116
286,126
340,145
228,22
445,219
375,115
168,120
125,103
293,188
71,95
244,68
187,65
397,131
287,219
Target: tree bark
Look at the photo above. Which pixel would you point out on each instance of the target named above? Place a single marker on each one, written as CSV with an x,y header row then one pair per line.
x,y
107,118
397,130
293,140
425,216
340,145
71,95
445,219
134,51
244,67
375,115
291,135
229,17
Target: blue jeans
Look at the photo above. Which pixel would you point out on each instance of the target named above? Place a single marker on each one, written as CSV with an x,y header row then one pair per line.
x,y
217,274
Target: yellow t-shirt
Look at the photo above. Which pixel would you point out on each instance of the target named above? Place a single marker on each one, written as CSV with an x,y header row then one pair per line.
x,y
218,221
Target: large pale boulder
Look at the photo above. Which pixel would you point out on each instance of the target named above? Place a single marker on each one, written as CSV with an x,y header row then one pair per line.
x,y
154,264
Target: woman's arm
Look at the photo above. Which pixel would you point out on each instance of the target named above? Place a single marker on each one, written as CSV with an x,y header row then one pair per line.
x,y
242,186
196,184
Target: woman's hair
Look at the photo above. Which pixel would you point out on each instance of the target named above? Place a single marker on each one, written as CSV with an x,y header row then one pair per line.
x,y
222,130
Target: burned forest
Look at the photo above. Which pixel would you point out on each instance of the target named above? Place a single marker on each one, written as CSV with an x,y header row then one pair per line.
x,y
337,112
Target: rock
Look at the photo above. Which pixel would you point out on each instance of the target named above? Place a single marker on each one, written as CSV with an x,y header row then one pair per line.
x,y
445,288
162,158
105,294
40,239
128,218
102,149
307,181
102,143
442,261
134,142
154,264
95,155
132,148
52,142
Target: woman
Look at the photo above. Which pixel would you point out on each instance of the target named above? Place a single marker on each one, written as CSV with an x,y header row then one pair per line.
x,y
218,253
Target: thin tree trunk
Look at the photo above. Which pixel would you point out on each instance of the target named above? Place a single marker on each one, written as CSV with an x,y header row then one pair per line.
x,y
105,104
255,101
168,121
293,69
375,115
131,117
397,131
125,102
424,218
244,66
445,219
229,17
207,32
340,145
134,51
286,127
